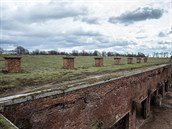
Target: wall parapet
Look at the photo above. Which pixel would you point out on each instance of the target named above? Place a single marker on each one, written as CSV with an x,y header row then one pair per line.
x,y
20,98
102,104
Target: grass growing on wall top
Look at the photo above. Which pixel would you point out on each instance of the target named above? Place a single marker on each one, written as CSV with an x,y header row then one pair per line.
x,y
42,69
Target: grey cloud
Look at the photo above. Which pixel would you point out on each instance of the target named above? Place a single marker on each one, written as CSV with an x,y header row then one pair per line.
x,y
165,33
141,37
140,14
170,32
162,34
121,42
103,39
46,40
87,19
161,47
7,41
164,42
86,33
90,20
103,42
41,13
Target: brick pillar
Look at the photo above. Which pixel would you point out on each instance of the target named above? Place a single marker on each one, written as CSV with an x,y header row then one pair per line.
x,y
68,62
12,64
117,61
129,60
98,61
145,60
139,59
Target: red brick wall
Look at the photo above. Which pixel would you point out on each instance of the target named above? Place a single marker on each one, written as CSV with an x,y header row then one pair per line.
x,y
139,60
12,64
145,60
102,104
68,62
129,60
98,62
117,61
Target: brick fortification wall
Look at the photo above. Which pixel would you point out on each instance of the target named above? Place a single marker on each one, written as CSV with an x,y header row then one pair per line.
x,y
90,107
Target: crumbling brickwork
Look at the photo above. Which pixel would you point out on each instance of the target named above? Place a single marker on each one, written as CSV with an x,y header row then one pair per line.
x,y
145,60
129,60
12,64
68,62
100,105
139,59
99,61
117,61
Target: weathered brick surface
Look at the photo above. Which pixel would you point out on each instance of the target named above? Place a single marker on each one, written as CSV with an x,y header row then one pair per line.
x,y
117,61
100,105
139,59
145,60
99,61
129,60
12,64
68,62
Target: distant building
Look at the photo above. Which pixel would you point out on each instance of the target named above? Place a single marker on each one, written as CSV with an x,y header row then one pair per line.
x,y
9,52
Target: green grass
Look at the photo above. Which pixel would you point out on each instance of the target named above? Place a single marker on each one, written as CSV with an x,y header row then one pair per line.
x,y
4,124
42,69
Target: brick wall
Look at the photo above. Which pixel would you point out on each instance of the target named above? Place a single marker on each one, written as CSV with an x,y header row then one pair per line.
x,y
138,59
117,61
68,62
12,64
95,106
129,60
98,61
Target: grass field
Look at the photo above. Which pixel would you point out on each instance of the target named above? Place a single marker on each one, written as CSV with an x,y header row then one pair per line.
x,y
42,69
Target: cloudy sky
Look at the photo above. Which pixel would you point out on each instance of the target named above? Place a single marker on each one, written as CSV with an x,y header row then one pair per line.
x,y
105,25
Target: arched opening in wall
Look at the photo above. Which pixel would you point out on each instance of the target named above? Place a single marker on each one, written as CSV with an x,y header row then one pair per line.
x,y
141,112
160,91
123,123
141,109
156,98
153,98
166,86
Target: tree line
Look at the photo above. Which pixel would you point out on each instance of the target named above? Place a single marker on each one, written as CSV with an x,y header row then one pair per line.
x,y
22,51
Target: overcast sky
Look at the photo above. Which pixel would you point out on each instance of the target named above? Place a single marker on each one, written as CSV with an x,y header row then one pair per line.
x,y
105,25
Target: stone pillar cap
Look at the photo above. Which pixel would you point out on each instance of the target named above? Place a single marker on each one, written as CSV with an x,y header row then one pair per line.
x,y
117,57
12,57
98,57
68,57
